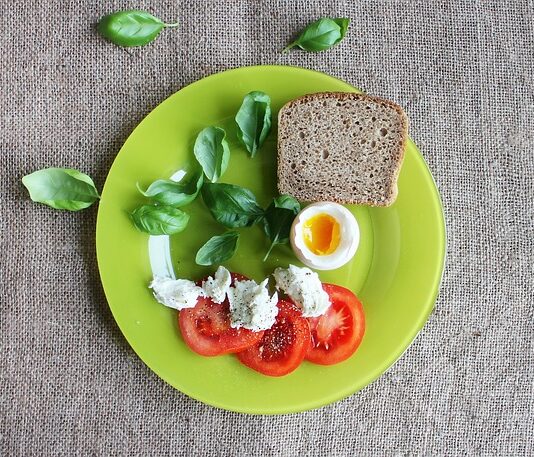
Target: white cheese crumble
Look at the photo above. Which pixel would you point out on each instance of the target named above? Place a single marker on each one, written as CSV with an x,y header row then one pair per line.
x,y
176,293
217,287
304,287
250,305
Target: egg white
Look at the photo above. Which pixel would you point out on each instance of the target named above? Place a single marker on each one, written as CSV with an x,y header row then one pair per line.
x,y
349,236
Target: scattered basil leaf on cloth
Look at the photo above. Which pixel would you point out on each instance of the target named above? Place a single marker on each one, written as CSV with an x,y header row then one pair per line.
x,y
254,120
278,219
159,220
230,205
212,152
218,249
61,188
172,193
131,27
321,34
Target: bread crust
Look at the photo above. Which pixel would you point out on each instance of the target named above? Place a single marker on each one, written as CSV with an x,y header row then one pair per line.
x,y
392,192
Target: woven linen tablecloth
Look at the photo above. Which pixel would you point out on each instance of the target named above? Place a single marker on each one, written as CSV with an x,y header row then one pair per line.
x,y
463,70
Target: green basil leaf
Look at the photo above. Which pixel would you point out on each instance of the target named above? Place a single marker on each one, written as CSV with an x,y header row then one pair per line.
x,y
343,23
278,219
131,28
321,34
212,152
218,249
230,205
172,193
254,120
159,220
61,188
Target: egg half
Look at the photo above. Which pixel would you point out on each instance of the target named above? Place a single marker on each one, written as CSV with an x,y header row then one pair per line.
x,y
325,236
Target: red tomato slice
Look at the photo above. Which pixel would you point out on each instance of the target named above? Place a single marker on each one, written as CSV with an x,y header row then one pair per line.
x,y
336,334
206,328
283,346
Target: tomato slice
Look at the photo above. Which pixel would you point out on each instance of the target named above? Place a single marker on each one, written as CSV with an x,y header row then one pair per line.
x,y
336,334
206,328
283,346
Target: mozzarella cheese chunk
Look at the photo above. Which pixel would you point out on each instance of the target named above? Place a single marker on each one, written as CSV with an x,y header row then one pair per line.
x,y
218,286
251,306
176,293
304,287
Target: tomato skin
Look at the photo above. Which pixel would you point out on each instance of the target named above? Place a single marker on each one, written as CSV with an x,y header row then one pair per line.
x,y
206,328
337,334
283,347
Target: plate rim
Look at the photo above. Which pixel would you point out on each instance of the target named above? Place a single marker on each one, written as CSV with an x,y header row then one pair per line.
x,y
341,394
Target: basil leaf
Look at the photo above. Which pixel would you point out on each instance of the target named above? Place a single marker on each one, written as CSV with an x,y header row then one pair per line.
x,y
343,23
131,28
172,193
254,120
278,219
230,205
159,220
212,152
321,34
218,249
61,188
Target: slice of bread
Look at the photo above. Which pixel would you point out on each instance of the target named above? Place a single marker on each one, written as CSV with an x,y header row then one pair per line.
x,y
341,147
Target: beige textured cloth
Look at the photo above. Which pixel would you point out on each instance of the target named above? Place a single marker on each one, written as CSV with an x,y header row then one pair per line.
x,y
463,70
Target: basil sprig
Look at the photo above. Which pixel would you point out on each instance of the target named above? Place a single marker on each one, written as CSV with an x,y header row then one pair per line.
x,y
131,28
278,219
218,249
230,205
321,34
172,193
61,188
160,219
254,120
212,152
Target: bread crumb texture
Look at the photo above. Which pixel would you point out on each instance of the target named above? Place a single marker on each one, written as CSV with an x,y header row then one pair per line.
x,y
341,147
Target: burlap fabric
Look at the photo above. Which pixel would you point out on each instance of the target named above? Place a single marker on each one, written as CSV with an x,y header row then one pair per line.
x,y
463,71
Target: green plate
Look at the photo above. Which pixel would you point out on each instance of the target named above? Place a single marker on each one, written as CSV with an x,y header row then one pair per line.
x,y
396,271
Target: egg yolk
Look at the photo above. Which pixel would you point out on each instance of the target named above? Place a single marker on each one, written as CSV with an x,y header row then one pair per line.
x,y
321,234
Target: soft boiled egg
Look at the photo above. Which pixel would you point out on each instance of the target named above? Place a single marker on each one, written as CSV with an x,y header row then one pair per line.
x,y
325,236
